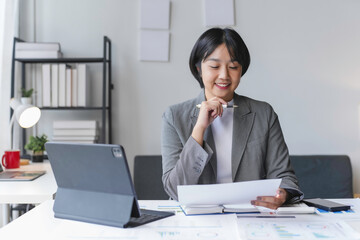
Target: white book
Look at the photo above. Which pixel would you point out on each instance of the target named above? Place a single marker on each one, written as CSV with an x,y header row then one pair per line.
x,y
21,54
195,210
54,85
38,46
46,85
83,86
86,124
38,87
74,88
68,87
210,209
295,208
76,141
75,138
62,85
75,132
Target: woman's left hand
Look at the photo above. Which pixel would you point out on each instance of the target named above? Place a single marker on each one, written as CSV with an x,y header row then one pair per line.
x,y
272,202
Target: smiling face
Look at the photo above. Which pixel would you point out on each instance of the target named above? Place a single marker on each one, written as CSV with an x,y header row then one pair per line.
x,y
220,74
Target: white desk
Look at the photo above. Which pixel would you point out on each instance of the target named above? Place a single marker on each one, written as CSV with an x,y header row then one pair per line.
x,y
36,191
40,223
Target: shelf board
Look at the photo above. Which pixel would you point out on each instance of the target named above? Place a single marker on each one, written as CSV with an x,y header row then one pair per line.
x,y
60,60
73,108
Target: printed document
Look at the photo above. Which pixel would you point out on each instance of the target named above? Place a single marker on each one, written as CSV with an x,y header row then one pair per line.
x,y
227,193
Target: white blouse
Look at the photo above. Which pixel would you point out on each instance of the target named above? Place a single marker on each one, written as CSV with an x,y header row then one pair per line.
x,y
222,129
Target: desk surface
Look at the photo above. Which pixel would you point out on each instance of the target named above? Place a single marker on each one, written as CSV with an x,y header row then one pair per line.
x,y
40,222
36,191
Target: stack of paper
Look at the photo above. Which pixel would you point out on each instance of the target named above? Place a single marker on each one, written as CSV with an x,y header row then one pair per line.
x,y
75,131
37,50
226,197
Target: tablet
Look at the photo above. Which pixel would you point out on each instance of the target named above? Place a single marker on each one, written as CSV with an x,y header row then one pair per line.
x,y
20,175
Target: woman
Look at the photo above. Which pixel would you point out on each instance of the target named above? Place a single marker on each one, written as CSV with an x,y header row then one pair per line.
x,y
222,137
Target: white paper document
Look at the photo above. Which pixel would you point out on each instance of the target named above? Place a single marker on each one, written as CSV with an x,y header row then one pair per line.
x,y
227,193
304,230
177,227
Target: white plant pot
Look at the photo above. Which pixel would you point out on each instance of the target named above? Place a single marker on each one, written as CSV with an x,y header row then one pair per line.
x,y
25,100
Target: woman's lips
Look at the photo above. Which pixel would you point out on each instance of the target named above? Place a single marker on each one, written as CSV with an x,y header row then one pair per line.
x,y
222,85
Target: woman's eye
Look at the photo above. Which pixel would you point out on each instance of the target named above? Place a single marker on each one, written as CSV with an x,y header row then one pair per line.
x,y
235,67
215,67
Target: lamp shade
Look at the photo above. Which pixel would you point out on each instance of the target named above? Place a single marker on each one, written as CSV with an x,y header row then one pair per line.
x,y
27,115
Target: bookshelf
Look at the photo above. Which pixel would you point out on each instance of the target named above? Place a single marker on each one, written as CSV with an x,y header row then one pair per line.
x,y
107,86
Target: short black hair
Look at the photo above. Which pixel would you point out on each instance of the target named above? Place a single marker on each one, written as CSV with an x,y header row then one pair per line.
x,y
209,41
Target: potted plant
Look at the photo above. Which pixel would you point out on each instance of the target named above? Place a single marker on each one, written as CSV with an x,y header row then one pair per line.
x,y
37,146
26,95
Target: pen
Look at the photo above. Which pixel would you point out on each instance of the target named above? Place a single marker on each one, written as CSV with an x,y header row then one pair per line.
x,y
224,106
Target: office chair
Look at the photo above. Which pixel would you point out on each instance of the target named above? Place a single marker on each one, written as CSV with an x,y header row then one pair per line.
x,y
20,209
323,176
147,178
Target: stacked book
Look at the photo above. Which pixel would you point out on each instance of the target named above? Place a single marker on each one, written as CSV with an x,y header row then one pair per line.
x,y
37,50
75,131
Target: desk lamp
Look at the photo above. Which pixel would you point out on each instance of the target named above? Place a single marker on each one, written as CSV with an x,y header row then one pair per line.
x,y
26,115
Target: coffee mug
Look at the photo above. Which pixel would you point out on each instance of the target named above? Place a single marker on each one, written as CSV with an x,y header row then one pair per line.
x,y
11,159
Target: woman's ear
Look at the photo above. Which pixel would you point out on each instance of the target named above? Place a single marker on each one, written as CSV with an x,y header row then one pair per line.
x,y
198,69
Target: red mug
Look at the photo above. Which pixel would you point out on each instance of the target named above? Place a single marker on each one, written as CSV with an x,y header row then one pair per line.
x,y
11,159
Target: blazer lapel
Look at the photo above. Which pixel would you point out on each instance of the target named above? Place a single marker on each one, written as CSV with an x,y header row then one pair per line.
x,y
208,136
195,114
243,121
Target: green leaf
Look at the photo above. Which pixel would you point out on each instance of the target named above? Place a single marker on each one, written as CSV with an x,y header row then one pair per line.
x,y
27,93
36,144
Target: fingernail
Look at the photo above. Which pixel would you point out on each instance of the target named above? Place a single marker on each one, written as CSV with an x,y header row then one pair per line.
x,y
252,202
258,198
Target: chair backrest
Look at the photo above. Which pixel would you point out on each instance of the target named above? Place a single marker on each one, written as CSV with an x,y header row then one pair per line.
x,y
324,176
147,178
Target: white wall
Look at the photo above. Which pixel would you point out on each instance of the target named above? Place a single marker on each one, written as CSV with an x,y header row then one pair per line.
x,y
305,62
8,25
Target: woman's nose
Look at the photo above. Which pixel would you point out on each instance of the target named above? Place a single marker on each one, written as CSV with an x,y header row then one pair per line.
x,y
224,74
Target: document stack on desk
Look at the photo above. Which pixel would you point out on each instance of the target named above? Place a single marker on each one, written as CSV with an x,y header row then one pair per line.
x,y
226,197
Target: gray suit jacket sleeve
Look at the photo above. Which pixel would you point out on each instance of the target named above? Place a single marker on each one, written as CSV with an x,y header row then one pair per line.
x,y
183,162
278,161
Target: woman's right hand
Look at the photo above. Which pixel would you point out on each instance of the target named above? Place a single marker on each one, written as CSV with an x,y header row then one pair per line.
x,y
209,110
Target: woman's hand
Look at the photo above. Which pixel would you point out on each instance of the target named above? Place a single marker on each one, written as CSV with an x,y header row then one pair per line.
x,y
209,110
272,202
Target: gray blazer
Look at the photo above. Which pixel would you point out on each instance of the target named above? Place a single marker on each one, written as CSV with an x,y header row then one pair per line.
x,y
258,148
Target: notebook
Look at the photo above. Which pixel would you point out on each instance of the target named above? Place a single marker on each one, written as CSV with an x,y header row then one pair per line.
x,y
213,209
95,186
20,175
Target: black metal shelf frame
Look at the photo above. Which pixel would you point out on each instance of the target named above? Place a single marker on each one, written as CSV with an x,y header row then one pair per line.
x,y
106,92
61,60
72,108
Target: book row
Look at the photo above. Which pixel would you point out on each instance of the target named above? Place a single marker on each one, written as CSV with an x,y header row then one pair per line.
x,y
64,86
